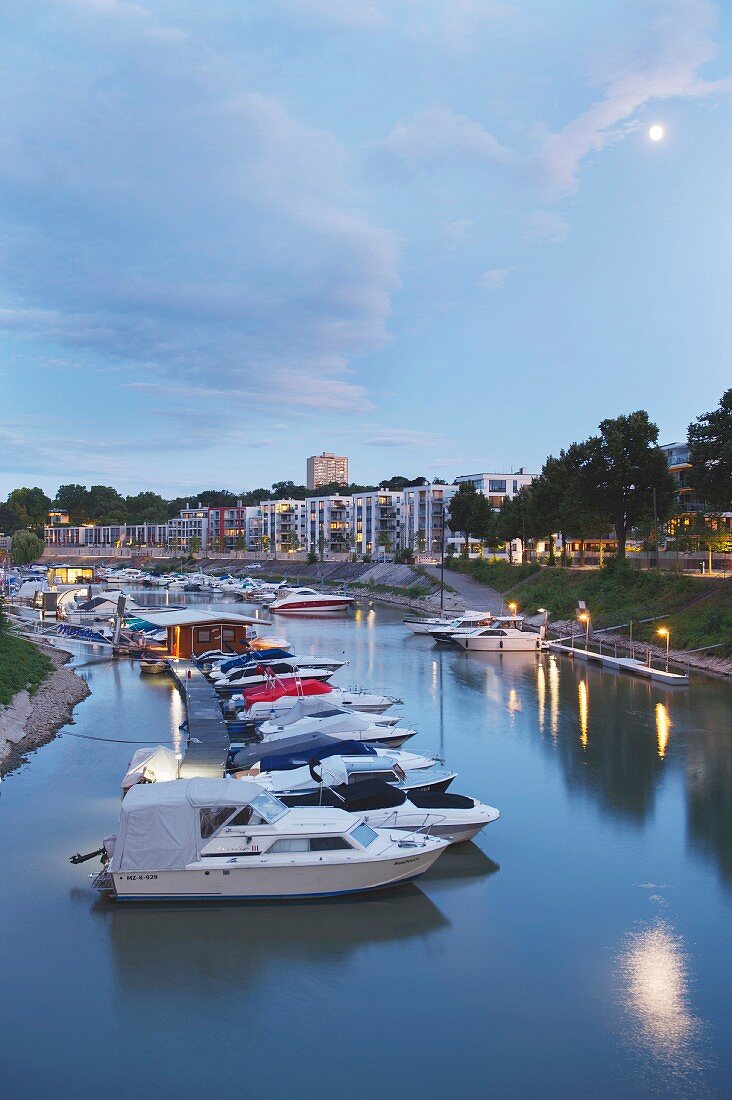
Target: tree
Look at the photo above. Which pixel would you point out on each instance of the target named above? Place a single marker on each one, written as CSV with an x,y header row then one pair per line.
x,y
626,465
460,510
146,508
384,539
74,499
482,521
106,505
10,520
194,544
710,454
30,505
27,547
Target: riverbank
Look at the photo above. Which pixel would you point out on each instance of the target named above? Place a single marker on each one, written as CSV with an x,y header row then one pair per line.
x,y
32,718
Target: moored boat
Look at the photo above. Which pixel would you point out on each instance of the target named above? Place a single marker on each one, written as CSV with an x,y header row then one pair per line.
x,y
228,839
308,601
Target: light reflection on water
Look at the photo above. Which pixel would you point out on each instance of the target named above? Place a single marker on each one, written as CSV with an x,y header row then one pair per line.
x,y
654,971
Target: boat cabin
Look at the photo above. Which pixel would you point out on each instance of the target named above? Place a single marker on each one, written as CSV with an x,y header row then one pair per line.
x,y
70,574
190,632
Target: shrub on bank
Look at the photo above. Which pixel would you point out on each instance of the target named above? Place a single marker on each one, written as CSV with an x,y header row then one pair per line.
x,y
500,575
22,665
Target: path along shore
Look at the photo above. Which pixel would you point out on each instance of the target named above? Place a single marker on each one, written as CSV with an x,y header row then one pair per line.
x,y
30,721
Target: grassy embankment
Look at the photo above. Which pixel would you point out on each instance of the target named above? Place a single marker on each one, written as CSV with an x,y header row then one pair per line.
x,y
619,593
22,665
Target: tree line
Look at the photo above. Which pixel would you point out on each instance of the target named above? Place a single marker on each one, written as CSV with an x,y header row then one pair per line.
x,y
27,508
617,481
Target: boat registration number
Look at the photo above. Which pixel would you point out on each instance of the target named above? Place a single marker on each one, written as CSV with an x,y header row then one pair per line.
x,y
400,862
139,878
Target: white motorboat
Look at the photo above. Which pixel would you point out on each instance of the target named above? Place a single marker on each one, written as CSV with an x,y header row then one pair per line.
x,y
345,700
318,706
349,769
346,725
455,817
219,839
241,678
425,625
464,624
308,601
505,635
247,660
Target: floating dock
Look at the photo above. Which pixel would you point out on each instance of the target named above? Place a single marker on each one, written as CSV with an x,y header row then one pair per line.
x,y
621,664
207,737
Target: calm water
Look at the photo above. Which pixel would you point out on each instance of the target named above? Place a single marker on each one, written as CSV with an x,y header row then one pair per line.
x,y
581,947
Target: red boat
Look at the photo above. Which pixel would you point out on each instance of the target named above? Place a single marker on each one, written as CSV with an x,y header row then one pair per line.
x,y
286,685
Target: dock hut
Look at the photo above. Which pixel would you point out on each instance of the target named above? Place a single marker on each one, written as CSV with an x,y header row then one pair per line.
x,y
192,632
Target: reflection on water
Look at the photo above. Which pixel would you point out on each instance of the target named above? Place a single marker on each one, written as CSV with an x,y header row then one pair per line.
x,y
663,725
584,711
654,975
231,944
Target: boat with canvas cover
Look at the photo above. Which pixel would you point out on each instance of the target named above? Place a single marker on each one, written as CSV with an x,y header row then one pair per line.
x,y
353,768
239,679
308,601
362,701
454,817
319,706
336,722
223,669
228,839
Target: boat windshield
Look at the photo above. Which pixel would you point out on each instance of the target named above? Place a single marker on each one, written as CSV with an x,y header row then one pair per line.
x,y
268,807
364,834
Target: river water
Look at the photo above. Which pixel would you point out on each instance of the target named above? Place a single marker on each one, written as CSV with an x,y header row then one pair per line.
x,y
581,947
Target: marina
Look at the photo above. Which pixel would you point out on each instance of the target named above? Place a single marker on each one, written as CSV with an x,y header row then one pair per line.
x,y
613,792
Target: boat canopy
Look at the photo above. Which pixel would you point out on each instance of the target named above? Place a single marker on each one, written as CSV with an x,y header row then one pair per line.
x,y
160,823
157,765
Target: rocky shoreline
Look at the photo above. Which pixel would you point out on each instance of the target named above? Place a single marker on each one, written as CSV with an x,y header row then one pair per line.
x,y
32,721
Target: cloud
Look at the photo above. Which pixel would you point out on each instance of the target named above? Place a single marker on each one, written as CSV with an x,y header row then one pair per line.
x,y
356,14
495,278
438,136
457,233
673,42
155,208
375,436
545,225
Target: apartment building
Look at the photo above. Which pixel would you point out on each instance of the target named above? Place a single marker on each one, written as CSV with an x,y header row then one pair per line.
x,y
235,527
329,527
283,525
111,535
423,510
498,486
326,469
189,529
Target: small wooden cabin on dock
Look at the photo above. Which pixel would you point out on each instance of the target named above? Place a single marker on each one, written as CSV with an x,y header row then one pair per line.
x,y
191,633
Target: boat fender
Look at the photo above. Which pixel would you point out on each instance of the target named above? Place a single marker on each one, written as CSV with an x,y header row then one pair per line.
x,y
311,765
500,644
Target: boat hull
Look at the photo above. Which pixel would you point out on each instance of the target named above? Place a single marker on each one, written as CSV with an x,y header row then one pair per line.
x,y
529,644
230,880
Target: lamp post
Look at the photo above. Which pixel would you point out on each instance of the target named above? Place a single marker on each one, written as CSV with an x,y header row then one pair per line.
x,y
544,631
664,632
585,618
513,608
179,758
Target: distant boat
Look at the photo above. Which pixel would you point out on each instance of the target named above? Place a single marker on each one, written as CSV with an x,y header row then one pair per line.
x,y
308,601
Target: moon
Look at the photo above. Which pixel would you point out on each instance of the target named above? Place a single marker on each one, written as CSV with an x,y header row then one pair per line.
x,y
656,132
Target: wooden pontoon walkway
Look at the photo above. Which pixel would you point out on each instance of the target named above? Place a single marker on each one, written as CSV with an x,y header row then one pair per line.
x,y
208,740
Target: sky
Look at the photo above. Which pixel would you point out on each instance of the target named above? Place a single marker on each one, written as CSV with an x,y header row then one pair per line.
x,y
433,236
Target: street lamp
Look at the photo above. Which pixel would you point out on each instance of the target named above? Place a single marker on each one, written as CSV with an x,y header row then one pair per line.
x,y
584,617
545,625
664,632
179,758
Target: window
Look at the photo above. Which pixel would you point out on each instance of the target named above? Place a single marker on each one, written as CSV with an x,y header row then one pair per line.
x,y
242,818
310,844
213,817
228,634
385,777
269,807
364,834
496,486
515,486
203,635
